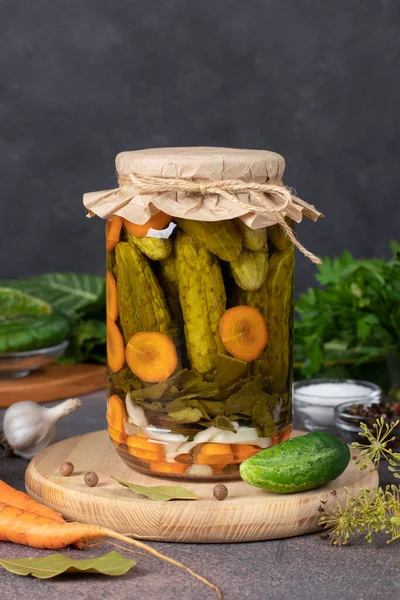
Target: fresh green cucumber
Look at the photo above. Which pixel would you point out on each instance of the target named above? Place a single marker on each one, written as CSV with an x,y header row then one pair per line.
x,y
300,464
15,304
32,333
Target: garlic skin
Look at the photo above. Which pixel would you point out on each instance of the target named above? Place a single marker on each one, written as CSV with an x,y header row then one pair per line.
x,y
29,427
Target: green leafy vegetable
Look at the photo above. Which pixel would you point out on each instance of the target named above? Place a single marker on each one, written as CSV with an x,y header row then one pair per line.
x,y
33,332
45,567
162,493
82,299
16,304
67,293
88,339
355,315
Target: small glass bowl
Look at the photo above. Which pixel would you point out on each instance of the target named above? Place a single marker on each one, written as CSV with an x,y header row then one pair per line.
x,y
20,364
316,412
349,425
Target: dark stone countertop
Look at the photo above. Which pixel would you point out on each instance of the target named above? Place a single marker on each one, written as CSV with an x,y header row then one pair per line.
x,y
288,569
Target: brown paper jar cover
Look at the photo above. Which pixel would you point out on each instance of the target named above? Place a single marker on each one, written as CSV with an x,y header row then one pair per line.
x,y
194,164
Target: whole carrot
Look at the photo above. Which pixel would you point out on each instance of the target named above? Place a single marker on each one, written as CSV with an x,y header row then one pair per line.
x,y
23,527
11,496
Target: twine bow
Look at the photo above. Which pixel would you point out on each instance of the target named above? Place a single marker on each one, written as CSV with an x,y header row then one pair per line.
x,y
269,198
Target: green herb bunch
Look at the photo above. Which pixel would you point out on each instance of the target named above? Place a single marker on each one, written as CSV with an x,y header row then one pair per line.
x,y
371,511
82,299
354,315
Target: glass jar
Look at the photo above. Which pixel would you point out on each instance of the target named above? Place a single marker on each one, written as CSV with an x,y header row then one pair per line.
x,y
199,326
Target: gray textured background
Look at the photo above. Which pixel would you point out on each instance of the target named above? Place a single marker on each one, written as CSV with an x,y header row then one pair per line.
x,y
84,79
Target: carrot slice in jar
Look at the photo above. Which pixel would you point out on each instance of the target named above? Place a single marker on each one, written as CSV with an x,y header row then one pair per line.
x,y
282,436
216,449
116,436
151,356
243,332
111,297
171,468
115,347
145,455
243,451
116,414
214,459
113,232
158,221
143,443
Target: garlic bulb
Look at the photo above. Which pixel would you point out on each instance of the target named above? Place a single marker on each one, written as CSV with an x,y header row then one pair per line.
x,y
29,427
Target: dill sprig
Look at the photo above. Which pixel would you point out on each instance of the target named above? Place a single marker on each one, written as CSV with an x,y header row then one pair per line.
x,y
376,447
371,511
368,513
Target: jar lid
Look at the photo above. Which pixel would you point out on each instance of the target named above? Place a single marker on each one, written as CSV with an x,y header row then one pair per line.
x,y
200,183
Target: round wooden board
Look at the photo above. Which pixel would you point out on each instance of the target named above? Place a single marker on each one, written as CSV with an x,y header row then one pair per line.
x,y
54,382
248,514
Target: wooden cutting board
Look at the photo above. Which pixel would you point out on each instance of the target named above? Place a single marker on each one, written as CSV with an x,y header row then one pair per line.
x,y
248,514
54,382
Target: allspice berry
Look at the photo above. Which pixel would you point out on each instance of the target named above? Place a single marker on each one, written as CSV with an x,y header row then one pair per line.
x,y
220,491
91,479
66,468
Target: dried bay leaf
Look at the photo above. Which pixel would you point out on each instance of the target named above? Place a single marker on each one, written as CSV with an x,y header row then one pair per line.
x,y
161,493
45,567
224,423
125,380
263,418
229,369
213,407
245,399
186,415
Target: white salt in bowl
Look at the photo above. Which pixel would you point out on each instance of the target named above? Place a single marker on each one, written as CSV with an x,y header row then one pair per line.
x,y
314,400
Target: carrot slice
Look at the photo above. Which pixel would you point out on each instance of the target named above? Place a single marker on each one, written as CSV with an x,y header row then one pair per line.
x,y
116,413
243,332
112,296
243,451
158,221
215,449
115,347
214,459
146,455
143,443
113,232
151,356
116,436
171,468
282,436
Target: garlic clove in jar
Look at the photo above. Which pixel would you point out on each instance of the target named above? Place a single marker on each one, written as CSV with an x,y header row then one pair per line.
x,y
29,427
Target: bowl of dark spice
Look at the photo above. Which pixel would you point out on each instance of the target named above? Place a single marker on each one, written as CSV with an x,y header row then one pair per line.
x,y
349,415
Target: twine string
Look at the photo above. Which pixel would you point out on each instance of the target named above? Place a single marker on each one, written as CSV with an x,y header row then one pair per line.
x,y
271,198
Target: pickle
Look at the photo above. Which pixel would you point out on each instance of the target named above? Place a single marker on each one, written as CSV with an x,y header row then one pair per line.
x,y
203,301
169,282
274,300
219,237
153,248
168,279
250,269
279,288
277,236
252,239
141,301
